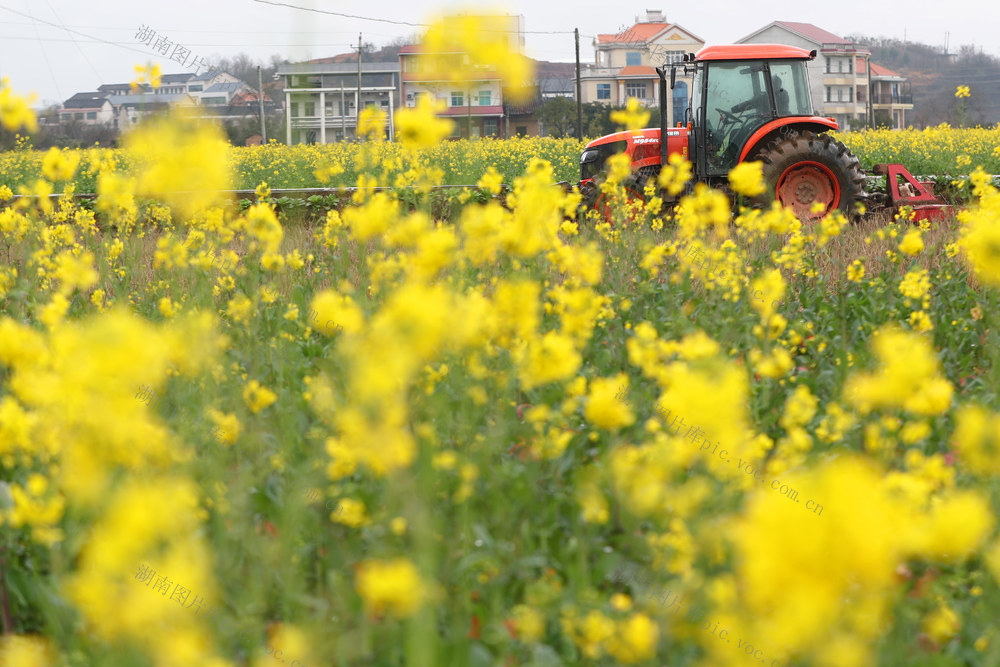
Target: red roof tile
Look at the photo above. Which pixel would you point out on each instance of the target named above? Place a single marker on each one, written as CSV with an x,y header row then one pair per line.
x,y
814,33
877,70
640,32
637,70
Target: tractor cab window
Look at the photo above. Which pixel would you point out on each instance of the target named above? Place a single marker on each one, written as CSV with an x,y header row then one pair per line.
x,y
737,103
791,88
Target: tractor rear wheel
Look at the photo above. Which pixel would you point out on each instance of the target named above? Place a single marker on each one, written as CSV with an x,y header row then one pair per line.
x,y
803,169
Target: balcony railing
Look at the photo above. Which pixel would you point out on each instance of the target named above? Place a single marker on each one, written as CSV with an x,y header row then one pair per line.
x,y
888,98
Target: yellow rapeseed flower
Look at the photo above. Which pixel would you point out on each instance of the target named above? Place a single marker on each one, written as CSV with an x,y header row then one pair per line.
x,y
747,179
912,244
856,271
420,127
182,161
258,397
15,110
633,117
390,586
962,91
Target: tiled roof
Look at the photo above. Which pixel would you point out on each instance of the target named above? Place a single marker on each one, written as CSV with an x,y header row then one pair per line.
x,y
176,78
813,33
148,99
637,70
93,100
640,32
224,87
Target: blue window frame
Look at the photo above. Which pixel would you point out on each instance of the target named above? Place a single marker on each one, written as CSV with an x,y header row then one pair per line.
x,y
604,91
633,58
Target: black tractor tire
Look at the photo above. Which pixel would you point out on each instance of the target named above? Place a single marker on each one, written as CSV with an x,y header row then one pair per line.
x,y
802,167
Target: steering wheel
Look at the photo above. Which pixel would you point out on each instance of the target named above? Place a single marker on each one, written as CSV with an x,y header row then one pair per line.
x,y
731,117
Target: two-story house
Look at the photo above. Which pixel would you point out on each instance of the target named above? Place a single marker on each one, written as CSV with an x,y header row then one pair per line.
x,y
88,109
322,97
624,65
839,86
475,104
891,97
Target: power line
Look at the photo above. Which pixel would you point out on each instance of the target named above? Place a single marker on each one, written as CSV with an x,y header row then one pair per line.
x,y
77,32
57,39
78,47
415,25
226,32
45,54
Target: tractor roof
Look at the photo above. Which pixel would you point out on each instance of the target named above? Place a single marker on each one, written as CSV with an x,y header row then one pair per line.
x,y
753,52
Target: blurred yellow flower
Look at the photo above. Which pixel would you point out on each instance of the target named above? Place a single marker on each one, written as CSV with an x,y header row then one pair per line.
x,y
390,586
258,397
912,244
747,179
372,123
856,271
633,117
962,91
603,408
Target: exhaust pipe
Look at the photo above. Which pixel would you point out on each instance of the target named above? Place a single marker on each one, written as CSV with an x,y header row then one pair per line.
x,y
663,116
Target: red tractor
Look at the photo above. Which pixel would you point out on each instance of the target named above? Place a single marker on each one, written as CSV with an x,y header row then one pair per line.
x,y
749,102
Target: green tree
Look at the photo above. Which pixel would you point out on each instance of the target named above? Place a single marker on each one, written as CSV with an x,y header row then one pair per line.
x,y
557,116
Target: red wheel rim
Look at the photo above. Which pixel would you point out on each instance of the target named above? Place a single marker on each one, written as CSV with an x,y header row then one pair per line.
x,y
603,206
805,183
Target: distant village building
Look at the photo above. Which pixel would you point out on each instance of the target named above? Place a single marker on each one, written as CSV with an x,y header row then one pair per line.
x,y
625,62
838,77
322,98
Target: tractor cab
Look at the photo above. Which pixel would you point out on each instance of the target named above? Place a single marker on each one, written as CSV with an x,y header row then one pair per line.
x,y
739,90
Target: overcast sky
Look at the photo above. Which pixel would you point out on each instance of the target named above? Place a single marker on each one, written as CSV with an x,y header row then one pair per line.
x,y
39,53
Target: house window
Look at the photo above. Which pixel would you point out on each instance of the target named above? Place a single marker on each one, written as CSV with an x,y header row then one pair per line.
x,y
195,88
521,130
78,116
490,126
295,109
633,58
457,98
672,57
828,93
484,98
209,101
635,89
840,94
850,66
604,91
850,94
828,69
310,109
91,115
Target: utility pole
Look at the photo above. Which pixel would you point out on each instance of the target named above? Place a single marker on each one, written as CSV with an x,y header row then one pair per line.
x,y
579,101
343,113
260,97
357,107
